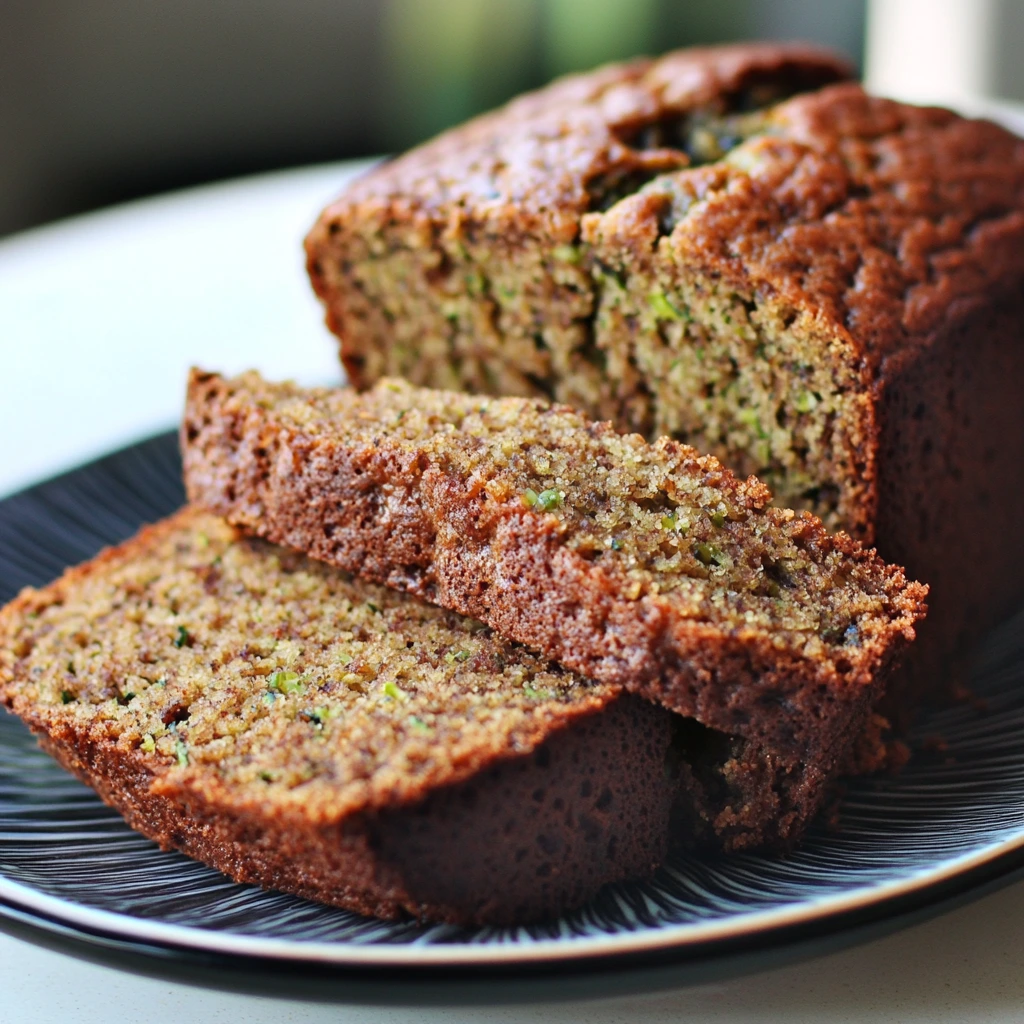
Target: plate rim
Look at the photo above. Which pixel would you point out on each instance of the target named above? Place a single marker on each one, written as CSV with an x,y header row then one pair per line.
x,y
961,876
431,985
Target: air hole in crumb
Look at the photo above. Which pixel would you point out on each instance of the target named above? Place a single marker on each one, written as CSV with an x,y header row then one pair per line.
x,y
174,714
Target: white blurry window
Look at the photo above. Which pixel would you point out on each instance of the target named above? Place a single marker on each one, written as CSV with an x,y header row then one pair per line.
x,y
945,51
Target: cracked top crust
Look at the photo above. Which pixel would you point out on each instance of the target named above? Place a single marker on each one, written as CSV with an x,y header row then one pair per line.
x,y
537,154
876,217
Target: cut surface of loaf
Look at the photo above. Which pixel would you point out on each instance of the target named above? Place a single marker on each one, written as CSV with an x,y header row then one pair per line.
x,y
320,735
736,248
645,566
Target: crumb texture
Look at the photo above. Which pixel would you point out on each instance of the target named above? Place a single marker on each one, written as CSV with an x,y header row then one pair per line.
x,y
225,658
647,566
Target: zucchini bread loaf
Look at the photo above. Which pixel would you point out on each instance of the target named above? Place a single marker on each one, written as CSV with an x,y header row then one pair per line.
x,y
735,248
323,736
644,566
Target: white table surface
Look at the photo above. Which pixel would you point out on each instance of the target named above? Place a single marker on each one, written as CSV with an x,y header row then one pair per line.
x,y
100,318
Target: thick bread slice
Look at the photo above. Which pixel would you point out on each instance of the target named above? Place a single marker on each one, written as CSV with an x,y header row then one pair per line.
x,y
311,733
645,566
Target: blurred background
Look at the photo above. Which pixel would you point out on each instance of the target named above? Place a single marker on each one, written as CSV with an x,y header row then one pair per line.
x,y
108,100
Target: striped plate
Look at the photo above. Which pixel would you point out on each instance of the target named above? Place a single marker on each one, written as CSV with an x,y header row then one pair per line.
x,y
950,823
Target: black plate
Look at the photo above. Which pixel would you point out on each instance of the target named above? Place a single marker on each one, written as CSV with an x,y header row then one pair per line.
x,y
73,875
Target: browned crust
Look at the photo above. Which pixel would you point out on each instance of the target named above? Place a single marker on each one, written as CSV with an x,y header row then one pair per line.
x,y
872,215
523,175
951,486
509,568
540,151
530,838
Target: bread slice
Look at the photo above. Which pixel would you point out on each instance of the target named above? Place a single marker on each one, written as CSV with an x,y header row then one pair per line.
x,y
644,566
320,735
732,247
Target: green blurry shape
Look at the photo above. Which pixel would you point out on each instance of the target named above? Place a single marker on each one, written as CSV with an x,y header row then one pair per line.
x,y
579,34
450,59
446,60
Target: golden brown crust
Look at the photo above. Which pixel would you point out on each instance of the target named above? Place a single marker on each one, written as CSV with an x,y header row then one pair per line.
x,y
519,181
531,838
529,163
873,215
401,511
